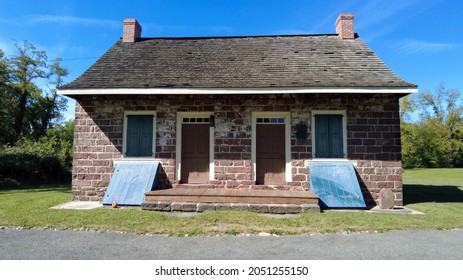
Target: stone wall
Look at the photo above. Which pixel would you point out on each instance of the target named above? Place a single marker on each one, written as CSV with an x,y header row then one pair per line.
x,y
373,137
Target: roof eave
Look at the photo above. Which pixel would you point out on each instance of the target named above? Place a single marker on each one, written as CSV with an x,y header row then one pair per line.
x,y
275,90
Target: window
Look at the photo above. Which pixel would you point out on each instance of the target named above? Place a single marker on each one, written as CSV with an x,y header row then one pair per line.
x,y
139,135
197,120
329,138
270,120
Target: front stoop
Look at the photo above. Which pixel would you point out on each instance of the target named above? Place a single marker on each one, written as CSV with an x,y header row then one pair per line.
x,y
196,199
167,206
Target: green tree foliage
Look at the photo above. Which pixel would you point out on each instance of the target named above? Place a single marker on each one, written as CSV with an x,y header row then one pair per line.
x,y
26,110
6,98
48,105
436,139
34,146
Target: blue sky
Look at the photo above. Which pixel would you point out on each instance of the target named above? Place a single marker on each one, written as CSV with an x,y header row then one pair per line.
x,y
420,40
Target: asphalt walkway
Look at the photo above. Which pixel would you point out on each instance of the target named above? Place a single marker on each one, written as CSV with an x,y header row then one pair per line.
x,y
48,244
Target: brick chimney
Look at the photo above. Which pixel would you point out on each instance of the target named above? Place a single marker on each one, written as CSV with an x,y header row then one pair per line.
x,y
345,26
132,30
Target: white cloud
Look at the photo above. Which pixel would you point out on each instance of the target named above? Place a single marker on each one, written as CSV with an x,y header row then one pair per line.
x,y
422,47
378,11
368,14
71,20
6,21
378,18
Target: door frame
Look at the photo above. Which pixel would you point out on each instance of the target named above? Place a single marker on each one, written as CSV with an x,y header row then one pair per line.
x,y
267,114
178,148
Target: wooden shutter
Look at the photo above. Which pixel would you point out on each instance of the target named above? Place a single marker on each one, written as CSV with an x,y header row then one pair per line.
x,y
322,143
139,135
329,136
336,139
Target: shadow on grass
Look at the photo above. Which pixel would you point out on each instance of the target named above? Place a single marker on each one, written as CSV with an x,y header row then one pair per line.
x,y
424,193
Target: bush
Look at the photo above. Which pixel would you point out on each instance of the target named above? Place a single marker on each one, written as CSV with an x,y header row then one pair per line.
x,y
49,159
31,168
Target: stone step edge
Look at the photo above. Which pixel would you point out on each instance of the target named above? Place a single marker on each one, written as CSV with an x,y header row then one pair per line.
x,y
169,206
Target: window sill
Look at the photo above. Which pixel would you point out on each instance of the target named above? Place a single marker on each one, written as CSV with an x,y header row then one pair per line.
x,y
354,162
134,159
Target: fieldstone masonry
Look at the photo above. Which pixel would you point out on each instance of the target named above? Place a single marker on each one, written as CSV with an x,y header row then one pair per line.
x,y
373,137
167,206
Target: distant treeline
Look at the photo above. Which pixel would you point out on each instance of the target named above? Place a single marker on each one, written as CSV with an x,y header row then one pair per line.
x,y
432,129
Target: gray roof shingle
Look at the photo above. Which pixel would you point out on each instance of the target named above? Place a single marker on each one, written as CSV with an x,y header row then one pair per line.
x,y
239,62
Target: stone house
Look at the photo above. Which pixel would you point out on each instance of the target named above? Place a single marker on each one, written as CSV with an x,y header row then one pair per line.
x,y
239,112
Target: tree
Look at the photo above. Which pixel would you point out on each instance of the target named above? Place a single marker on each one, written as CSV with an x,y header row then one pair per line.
x,y
49,105
34,146
28,110
27,66
436,140
6,97
445,113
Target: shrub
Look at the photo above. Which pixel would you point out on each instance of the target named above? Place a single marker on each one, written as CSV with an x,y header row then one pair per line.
x,y
29,167
49,159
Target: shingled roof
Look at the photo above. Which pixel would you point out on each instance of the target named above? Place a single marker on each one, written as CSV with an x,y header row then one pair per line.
x,y
300,61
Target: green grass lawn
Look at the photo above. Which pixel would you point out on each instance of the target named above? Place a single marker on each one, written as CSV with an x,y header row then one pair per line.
x,y
436,192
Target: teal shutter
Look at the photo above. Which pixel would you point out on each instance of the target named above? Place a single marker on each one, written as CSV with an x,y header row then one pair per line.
x,y
329,136
336,139
132,136
139,136
146,136
322,136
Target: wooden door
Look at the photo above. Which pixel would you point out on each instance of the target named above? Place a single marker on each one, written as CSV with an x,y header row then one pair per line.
x,y
270,154
195,154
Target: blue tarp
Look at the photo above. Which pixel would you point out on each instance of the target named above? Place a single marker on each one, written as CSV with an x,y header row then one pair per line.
x,y
130,181
336,184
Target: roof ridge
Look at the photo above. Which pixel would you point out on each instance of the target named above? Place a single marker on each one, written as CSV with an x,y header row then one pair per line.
x,y
238,36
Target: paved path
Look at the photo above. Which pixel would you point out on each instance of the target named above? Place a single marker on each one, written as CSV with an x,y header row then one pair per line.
x,y
66,244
